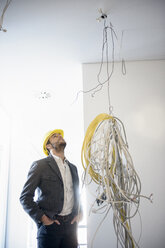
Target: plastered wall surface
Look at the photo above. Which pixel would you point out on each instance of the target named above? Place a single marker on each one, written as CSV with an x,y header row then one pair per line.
x,y
138,100
30,119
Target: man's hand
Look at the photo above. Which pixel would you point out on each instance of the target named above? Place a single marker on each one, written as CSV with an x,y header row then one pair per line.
x,y
77,218
47,221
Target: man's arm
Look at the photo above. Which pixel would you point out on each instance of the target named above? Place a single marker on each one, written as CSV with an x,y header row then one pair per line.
x,y
27,195
79,212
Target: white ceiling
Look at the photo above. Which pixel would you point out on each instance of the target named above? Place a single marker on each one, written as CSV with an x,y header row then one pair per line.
x,y
47,41
70,29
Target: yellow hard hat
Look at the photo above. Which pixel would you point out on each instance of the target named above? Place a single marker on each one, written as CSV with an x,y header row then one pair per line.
x,y
47,137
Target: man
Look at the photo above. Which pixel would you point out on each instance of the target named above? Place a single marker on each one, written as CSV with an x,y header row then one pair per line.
x,y
56,211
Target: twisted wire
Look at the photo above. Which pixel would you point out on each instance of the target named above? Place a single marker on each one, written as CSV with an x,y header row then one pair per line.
x,y
108,163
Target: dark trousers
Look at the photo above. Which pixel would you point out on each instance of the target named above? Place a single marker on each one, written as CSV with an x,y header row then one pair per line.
x,y
57,236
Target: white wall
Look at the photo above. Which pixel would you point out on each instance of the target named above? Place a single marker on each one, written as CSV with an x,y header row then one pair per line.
x,y
138,100
32,118
31,62
4,170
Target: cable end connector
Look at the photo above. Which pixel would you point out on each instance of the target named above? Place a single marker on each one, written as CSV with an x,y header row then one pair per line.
x,y
101,199
103,16
2,29
151,198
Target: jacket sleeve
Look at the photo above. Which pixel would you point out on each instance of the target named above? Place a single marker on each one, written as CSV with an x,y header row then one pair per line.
x,y
28,192
77,203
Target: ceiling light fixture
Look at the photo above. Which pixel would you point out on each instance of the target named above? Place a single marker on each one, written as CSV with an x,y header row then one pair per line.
x,y
43,95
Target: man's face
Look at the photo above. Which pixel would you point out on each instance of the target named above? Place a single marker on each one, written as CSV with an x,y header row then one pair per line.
x,y
57,141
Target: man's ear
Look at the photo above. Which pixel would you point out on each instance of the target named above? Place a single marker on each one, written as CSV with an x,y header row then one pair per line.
x,y
48,146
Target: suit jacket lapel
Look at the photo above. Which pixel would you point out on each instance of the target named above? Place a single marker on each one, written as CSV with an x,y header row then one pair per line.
x,y
71,170
54,166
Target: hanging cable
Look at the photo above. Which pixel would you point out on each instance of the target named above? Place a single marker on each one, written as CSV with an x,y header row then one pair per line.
x,y
107,30
2,16
107,161
123,66
106,45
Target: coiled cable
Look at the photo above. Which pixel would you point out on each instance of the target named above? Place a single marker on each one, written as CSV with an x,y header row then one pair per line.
x,y
108,163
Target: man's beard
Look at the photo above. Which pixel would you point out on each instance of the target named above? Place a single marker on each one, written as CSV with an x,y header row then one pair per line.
x,y
60,147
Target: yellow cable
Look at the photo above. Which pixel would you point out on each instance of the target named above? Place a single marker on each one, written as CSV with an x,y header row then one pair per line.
x,y
108,179
88,136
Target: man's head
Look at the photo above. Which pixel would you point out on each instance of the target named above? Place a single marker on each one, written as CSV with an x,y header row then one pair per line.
x,y
54,140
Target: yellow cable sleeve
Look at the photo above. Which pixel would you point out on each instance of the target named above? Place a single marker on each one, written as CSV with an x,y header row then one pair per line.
x,y
88,136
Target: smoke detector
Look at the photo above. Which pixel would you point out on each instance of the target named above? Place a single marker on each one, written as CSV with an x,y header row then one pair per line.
x,y
43,95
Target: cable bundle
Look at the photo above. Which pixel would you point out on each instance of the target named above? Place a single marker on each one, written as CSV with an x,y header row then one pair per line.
x,y
106,159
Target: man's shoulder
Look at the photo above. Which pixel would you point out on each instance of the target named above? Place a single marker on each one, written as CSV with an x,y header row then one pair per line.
x,y
39,163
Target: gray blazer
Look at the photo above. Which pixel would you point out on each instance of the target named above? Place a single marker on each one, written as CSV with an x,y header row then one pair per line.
x,y
45,176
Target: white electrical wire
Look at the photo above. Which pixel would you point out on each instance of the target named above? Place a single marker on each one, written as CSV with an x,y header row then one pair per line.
x,y
2,16
109,164
106,159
